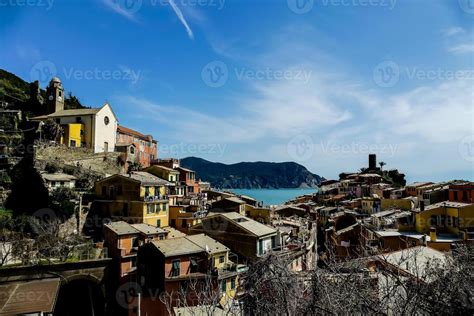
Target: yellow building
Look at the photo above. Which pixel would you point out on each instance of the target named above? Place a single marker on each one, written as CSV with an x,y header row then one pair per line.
x,y
183,217
74,135
446,217
259,214
406,204
138,197
371,204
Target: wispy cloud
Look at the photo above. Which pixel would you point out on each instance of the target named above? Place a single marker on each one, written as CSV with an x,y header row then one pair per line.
x,y
117,8
181,18
466,48
453,31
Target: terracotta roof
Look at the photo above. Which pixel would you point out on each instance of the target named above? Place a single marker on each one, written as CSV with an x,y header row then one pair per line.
x,y
129,131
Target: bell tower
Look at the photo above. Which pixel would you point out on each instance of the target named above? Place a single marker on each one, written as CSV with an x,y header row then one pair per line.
x,y
55,96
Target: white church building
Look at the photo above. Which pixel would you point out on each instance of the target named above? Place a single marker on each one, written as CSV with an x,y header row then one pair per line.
x,y
94,128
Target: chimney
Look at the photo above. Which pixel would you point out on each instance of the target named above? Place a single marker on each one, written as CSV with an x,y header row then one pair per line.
x,y
433,234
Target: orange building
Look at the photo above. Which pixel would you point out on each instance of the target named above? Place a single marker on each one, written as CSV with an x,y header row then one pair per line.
x,y
462,192
144,149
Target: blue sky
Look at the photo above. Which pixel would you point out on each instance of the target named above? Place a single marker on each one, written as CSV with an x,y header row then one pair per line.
x,y
319,82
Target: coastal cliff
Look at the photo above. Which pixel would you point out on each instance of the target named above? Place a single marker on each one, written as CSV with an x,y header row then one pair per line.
x,y
252,175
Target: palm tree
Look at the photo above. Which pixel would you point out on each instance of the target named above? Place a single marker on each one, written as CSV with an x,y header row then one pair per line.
x,y
381,165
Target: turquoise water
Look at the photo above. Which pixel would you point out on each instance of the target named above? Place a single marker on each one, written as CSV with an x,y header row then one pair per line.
x,y
273,196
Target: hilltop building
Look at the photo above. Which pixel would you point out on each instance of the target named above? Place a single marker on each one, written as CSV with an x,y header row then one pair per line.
x,y
141,149
90,128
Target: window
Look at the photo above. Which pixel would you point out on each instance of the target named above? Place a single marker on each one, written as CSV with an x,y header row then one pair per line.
x,y
260,247
175,267
464,196
194,265
224,286
433,220
232,283
221,259
150,209
106,120
119,190
132,150
273,242
455,193
72,143
158,223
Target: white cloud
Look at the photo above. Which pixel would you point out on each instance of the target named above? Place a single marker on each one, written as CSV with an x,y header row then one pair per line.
x,y
453,31
466,48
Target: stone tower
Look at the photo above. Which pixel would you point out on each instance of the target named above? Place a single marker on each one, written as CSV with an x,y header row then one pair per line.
x,y
55,96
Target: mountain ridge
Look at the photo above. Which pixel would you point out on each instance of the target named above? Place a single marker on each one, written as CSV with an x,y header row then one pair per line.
x,y
252,175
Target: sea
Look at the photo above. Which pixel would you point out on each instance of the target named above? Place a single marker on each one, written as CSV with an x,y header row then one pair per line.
x,y
273,196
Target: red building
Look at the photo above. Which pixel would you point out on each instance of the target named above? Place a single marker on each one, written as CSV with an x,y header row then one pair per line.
x,y
137,148
462,192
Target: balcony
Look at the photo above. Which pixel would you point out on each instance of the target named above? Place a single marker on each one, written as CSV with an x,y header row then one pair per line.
x,y
157,198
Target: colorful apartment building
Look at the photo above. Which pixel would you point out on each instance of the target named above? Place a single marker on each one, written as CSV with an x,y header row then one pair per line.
x,y
188,177
122,241
145,147
462,192
138,197
182,217
442,223
244,236
177,189
181,265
